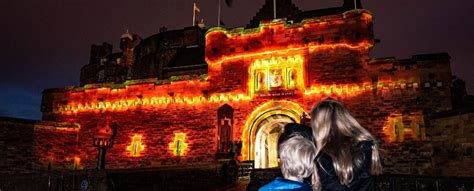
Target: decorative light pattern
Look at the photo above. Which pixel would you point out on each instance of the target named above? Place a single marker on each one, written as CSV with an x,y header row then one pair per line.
x,y
286,51
179,145
125,104
77,163
276,73
399,128
58,126
278,64
136,146
132,103
265,40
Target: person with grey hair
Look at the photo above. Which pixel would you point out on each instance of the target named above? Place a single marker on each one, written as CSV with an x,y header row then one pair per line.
x,y
297,155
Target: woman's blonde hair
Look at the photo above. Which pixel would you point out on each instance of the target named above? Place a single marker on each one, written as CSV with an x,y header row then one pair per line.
x,y
336,133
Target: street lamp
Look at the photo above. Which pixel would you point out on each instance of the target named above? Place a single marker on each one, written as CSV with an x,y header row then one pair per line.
x,y
103,140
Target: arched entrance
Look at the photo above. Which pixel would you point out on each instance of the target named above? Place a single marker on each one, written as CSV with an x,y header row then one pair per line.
x,y
263,128
266,140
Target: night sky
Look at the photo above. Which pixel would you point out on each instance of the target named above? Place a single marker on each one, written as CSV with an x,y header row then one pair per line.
x,y
46,42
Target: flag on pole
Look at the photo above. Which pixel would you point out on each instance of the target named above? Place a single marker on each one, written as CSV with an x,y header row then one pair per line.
x,y
274,9
196,8
219,13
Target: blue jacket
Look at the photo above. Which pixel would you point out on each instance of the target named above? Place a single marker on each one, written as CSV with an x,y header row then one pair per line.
x,y
285,184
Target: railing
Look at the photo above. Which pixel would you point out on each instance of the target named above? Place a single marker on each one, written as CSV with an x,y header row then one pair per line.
x,y
245,168
207,177
202,178
423,183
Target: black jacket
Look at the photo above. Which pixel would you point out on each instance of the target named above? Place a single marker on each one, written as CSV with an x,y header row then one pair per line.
x,y
362,177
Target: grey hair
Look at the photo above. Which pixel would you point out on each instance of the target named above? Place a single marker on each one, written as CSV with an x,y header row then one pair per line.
x,y
297,156
335,131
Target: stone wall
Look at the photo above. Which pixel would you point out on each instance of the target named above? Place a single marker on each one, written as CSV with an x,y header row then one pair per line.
x,y
158,123
205,177
55,144
16,145
388,96
453,144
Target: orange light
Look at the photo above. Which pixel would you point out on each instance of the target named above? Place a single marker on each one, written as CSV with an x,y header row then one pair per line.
x,y
179,145
77,162
399,128
151,100
393,129
267,74
58,126
136,146
285,51
291,109
267,39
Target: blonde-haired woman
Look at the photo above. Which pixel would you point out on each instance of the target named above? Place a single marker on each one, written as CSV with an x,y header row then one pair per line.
x,y
347,154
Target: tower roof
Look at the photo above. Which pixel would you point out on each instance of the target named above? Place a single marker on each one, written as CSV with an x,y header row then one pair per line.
x,y
127,35
287,9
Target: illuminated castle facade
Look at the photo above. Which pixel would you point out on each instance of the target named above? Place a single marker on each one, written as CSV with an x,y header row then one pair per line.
x,y
195,96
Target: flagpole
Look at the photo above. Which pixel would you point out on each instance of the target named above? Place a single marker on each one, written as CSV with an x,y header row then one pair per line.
x,y
219,15
274,10
194,14
355,4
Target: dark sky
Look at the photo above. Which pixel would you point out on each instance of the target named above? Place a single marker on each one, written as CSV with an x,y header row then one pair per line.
x,y
46,42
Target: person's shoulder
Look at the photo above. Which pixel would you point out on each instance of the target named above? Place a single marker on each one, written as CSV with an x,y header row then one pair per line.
x,y
285,184
364,145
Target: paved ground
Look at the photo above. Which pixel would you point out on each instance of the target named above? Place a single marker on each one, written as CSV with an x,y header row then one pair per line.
x,y
241,185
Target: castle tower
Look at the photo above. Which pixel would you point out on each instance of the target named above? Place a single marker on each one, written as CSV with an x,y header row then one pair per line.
x,y
284,9
127,44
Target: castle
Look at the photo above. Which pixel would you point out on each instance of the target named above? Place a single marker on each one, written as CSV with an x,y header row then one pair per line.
x,y
196,95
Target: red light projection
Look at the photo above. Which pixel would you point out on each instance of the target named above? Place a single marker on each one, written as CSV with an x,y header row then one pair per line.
x,y
136,147
277,52
124,104
179,145
399,128
278,37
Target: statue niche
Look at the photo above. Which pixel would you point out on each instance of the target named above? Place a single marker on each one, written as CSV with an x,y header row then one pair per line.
x,y
225,123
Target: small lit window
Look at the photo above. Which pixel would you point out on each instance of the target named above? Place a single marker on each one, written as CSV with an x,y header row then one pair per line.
x,y
403,85
103,61
427,84
415,85
396,129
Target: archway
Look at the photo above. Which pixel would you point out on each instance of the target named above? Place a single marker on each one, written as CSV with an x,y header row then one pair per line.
x,y
266,140
264,120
